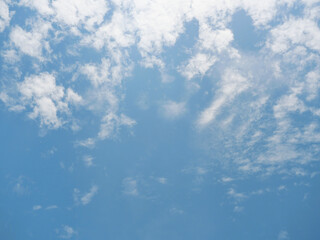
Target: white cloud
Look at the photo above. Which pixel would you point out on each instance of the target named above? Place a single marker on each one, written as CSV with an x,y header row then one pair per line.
x,y
86,198
214,40
119,32
300,31
22,186
227,179
176,211
36,207
143,102
88,143
66,232
282,145
152,27
88,160
42,6
198,65
262,12
73,97
11,56
5,15
98,74
312,84
41,93
33,42
77,12
130,186
111,123
51,207
232,84
162,180
173,110
159,23
283,235
238,209
106,79
282,188
166,78
235,195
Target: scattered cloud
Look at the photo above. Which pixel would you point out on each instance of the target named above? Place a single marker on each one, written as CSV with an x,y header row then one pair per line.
x,y
32,42
172,110
36,207
176,211
41,93
21,185
66,232
88,143
283,235
88,160
282,188
198,65
111,123
227,179
235,195
162,180
130,186
238,209
85,198
51,207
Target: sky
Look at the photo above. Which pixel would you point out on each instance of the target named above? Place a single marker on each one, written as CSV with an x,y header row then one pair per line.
x,y
158,119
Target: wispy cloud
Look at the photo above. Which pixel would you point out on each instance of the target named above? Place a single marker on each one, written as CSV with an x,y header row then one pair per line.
x,y
36,207
232,84
88,160
283,235
85,198
236,195
51,207
130,186
172,110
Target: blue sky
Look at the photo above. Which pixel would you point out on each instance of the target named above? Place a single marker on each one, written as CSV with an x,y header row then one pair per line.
x,y
138,119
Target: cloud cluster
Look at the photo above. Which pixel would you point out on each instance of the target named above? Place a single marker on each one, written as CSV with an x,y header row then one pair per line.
x,y
257,97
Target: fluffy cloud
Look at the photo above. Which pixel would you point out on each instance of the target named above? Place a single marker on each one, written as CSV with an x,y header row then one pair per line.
x,y
77,13
31,43
214,40
42,6
5,15
47,100
41,93
295,31
87,12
